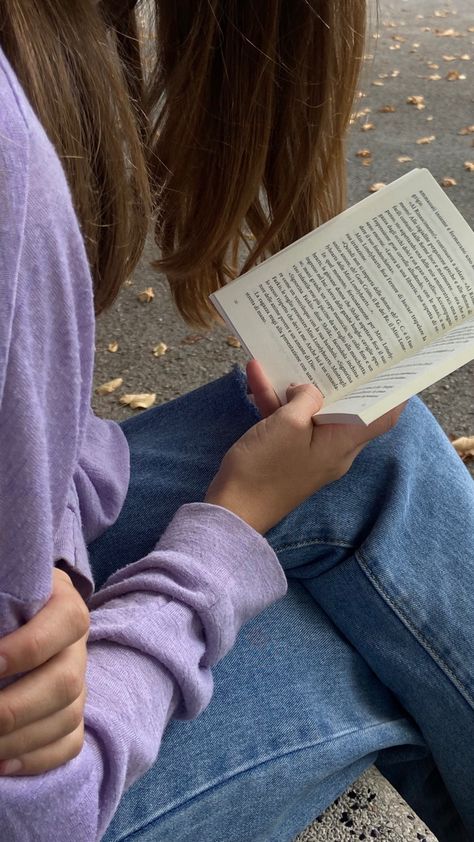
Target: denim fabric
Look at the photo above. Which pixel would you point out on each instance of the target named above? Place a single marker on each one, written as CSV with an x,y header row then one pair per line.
x,y
368,658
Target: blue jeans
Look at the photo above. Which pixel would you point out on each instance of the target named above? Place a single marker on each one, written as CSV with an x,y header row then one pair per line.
x,y
369,658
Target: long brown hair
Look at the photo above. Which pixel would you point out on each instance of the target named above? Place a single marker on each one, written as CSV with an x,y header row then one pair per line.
x,y
226,128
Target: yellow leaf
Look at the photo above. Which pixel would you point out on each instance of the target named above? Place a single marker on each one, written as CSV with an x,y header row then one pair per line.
x,y
449,58
469,166
377,83
447,33
146,295
139,401
387,109
435,77
110,386
377,186
160,349
464,446
113,347
448,182
454,75
403,159
366,127
233,342
415,100
467,130
363,153
422,141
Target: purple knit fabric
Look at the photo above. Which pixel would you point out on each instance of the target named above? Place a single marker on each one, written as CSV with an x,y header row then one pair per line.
x,y
163,621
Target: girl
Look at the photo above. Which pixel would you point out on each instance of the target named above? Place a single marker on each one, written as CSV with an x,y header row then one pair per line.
x,y
185,518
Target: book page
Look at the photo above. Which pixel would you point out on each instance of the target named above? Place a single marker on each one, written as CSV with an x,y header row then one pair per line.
x,y
361,293
393,386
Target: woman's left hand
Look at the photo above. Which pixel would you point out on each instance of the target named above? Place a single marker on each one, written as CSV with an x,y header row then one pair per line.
x,y
41,713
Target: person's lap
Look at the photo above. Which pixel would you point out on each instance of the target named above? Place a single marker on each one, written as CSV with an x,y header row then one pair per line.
x,y
299,710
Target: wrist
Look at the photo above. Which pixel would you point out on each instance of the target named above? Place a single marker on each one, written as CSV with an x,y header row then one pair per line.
x,y
239,504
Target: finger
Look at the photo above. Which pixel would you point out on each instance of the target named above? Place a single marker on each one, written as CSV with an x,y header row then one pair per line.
x,y
62,621
45,690
266,399
303,402
44,732
49,757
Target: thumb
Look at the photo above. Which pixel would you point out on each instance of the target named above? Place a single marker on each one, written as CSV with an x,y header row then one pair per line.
x,y
304,400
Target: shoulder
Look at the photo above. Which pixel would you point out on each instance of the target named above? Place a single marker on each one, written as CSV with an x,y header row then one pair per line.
x,y
14,128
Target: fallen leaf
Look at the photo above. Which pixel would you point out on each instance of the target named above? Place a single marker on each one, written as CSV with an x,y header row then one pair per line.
x,y
387,109
429,119
395,73
378,84
453,75
448,182
367,162
464,446
470,29
415,100
160,349
469,166
128,282
449,58
433,66
233,342
363,153
467,130
394,47
465,57
447,33
398,38
110,386
435,77
422,141
377,186
113,347
139,401
366,127
403,159
146,295
192,338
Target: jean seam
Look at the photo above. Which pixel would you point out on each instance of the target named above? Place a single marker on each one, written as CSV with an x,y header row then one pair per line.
x,y
418,635
267,759
313,542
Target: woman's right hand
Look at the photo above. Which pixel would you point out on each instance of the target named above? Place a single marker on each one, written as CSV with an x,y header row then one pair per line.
x,y
285,458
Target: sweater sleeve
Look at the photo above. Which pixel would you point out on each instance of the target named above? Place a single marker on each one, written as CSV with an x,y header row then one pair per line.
x,y
162,622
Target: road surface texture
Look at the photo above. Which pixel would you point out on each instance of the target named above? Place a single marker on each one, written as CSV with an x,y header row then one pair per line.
x,y
423,49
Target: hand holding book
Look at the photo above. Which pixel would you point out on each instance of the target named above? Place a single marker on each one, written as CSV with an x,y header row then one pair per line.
x,y
285,458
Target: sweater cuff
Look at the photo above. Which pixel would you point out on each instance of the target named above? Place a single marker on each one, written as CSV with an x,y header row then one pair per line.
x,y
239,566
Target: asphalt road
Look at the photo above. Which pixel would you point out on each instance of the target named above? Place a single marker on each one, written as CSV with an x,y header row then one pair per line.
x,y
410,43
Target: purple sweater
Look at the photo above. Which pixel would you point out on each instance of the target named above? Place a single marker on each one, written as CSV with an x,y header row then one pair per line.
x,y
163,621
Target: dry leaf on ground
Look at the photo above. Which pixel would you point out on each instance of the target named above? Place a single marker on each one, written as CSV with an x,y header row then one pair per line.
x,y
422,141
448,182
403,159
233,342
447,33
160,349
415,100
467,130
469,166
192,338
366,127
435,77
146,295
363,153
454,75
387,109
465,447
377,83
139,401
377,186
110,386
113,347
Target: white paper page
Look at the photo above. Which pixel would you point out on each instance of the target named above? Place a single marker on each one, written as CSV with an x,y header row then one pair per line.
x,y
405,379
364,291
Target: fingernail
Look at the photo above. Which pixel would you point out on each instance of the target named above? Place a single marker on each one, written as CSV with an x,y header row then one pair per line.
x,y
10,767
3,665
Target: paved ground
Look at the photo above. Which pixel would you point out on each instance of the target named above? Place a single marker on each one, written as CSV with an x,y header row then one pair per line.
x,y
417,41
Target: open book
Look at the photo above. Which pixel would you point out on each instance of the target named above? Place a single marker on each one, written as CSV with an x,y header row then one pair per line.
x,y
372,307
